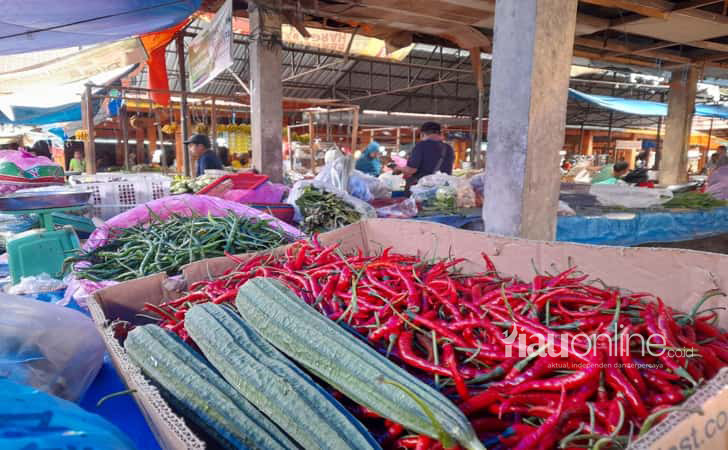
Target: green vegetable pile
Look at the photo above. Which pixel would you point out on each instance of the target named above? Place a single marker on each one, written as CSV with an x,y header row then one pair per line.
x,y
694,200
166,246
324,211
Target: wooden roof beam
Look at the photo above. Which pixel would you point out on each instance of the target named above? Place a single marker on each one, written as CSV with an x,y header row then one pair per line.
x,y
601,57
623,49
649,8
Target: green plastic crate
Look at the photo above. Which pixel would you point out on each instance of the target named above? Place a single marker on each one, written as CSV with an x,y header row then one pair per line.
x,y
40,251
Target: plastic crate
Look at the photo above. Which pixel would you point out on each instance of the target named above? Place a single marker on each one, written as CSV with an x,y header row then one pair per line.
x,y
226,183
282,211
110,198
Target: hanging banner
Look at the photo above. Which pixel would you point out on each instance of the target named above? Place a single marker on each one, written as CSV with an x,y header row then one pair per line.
x,y
79,66
327,40
211,51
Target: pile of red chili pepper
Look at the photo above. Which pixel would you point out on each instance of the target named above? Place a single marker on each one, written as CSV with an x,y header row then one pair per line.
x,y
456,332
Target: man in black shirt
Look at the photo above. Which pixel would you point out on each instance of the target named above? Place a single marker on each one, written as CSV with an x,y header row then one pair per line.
x,y
430,155
199,146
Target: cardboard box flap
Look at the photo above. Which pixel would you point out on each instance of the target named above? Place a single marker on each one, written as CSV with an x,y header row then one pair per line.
x,y
123,301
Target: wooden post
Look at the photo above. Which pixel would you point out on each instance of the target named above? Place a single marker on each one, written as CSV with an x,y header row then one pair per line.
x,y
398,141
213,125
680,106
184,111
478,74
87,119
179,152
139,136
354,129
310,141
124,125
266,101
532,51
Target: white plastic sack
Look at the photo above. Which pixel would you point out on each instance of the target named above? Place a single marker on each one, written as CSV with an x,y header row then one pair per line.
x,y
47,346
363,208
336,174
628,196
426,189
367,187
565,209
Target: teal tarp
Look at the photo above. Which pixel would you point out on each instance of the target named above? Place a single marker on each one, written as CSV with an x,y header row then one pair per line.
x,y
644,107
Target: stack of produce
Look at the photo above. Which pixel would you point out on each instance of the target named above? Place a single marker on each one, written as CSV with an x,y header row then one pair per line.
x,y
167,245
695,200
468,337
324,211
185,185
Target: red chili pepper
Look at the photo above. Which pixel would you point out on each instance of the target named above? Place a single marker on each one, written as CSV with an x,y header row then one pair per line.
x,y
630,367
537,437
616,379
452,364
407,353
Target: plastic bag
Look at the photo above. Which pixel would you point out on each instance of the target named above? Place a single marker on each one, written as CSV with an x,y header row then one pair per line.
x,y
183,205
392,182
425,190
20,170
363,208
477,182
565,209
405,209
628,196
33,419
49,347
371,187
718,183
336,174
36,284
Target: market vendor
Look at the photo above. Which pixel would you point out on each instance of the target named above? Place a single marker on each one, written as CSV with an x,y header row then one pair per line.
x,y
368,162
199,146
611,173
430,155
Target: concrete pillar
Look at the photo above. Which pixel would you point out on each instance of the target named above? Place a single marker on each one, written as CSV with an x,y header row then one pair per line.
x,y
532,51
680,107
266,100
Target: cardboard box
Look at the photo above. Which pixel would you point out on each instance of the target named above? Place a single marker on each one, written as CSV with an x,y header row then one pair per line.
x,y
679,277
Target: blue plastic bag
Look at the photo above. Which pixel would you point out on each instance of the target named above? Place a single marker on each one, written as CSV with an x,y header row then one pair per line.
x,y
32,419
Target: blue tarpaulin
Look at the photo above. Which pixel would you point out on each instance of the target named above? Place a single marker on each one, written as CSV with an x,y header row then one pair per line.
x,y
648,227
32,25
44,116
644,107
643,228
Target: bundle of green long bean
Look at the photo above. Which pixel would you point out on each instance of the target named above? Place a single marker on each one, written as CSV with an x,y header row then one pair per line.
x,y
165,246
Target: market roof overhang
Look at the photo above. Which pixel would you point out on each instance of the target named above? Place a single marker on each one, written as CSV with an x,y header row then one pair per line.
x,y
639,33
33,25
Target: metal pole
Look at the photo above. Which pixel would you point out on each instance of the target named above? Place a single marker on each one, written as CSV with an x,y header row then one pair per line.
x,y
184,113
328,126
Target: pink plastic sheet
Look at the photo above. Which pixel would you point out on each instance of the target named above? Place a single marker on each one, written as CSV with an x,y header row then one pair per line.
x,y
266,193
183,205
